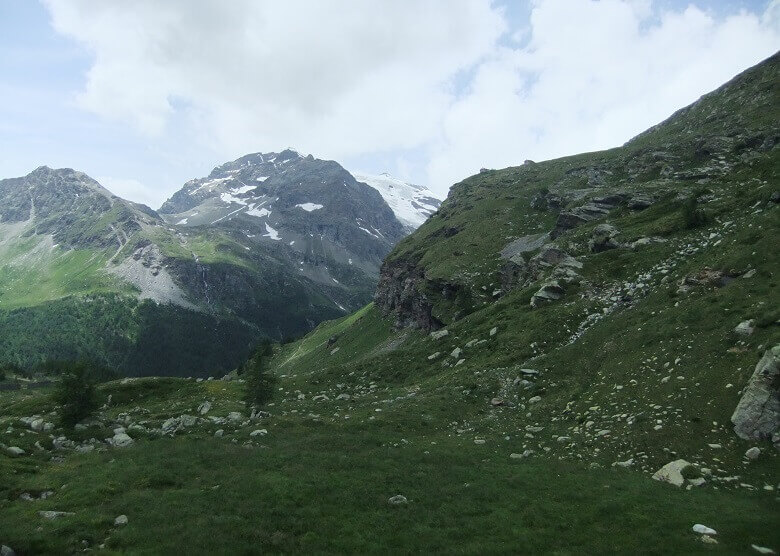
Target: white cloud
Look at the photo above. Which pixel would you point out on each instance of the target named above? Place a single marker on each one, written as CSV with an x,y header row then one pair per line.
x,y
332,78
452,81
593,75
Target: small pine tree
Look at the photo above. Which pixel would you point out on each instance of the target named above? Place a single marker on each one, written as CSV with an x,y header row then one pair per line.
x,y
76,393
260,381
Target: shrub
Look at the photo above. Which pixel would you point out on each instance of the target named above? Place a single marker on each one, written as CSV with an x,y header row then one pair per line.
x,y
76,393
259,380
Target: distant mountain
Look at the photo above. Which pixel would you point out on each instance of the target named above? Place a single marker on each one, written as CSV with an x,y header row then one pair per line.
x,y
314,210
412,204
267,245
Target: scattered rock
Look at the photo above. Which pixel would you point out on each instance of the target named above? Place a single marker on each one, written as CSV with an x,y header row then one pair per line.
x,y
439,334
757,416
121,440
433,356
397,499
15,451
535,399
456,353
120,520
204,408
753,453
706,539
672,473
550,291
51,514
745,328
494,331
235,416
627,463
704,530
219,433
258,432
495,402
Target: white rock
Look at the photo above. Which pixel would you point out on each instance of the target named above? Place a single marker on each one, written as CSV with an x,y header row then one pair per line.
x,y
456,353
397,499
204,408
219,433
745,328
37,425
439,334
235,416
628,463
704,530
120,520
762,549
494,331
672,472
121,440
753,453
51,514
258,432
15,451
535,399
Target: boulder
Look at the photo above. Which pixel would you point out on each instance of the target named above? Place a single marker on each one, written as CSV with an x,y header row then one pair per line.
x,y
757,416
15,451
603,238
258,432
745,328
439,334
550,291
204,408
753,453
120,520
672,473
121,440
6,550
397,499
456,353
704,530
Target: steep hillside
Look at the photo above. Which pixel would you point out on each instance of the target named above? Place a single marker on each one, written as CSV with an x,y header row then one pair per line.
x,y
613,312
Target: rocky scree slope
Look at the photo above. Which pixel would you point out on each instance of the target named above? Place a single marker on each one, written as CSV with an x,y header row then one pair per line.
x,y
620,309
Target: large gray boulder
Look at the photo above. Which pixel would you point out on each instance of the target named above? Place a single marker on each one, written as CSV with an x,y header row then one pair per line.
x,y
757,416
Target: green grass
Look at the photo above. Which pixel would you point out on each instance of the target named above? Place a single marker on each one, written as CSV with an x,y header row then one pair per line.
x,y
317,486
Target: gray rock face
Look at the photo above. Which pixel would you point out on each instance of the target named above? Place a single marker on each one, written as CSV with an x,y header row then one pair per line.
x,y
757,416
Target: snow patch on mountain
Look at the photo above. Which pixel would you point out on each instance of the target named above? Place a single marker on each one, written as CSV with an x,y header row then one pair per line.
x,y
412,204
309,207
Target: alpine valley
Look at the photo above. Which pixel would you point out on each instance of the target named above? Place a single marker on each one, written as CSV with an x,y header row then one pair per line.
x,y
268,245
571,356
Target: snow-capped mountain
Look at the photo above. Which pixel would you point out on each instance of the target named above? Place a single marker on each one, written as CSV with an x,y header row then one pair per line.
x,y
411,204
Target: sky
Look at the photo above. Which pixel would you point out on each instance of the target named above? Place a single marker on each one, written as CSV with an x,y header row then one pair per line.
x,y
146,95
